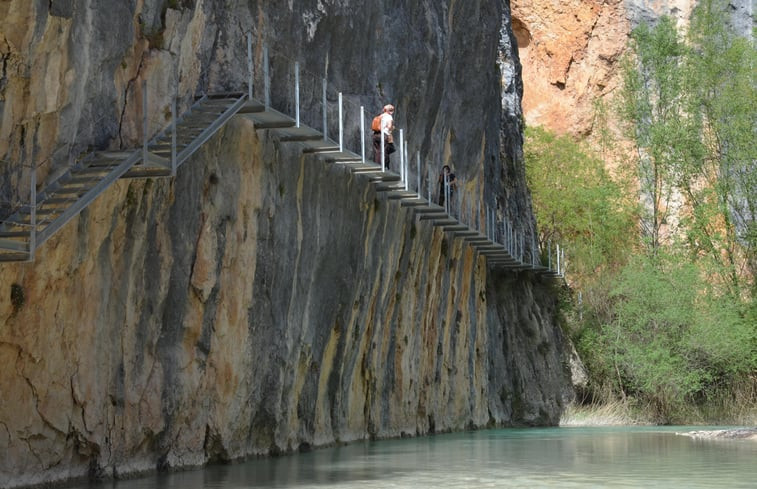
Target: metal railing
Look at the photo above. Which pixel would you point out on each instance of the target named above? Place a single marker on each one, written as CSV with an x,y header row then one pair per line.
x,y
349,124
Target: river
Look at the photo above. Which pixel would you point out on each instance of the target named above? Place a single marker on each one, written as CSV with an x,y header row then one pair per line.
x,y
524,458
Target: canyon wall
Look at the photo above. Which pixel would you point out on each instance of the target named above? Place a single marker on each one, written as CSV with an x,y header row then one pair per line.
x,y
262,301
571,52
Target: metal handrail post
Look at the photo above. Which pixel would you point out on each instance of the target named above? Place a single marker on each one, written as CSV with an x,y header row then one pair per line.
x,y
341,125
402,156
407,170
362,134
490,224
459,207
325,120
266,78
383,153
250,67
297,92
494,224
446,193
506,223
512,239
144,122
488,219
493,217
428,186
517,245
522,247
174,116
533,249
558,259
478,217
33,234
418,164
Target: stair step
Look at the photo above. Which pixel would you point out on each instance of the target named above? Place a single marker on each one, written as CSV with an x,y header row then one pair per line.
x,y
10,256
93,169
104,163
60,200
83,178
434,216
14,245
137,172
77,190
387,188
402,195
15,234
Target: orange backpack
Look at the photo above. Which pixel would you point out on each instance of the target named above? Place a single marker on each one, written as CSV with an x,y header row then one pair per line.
x,y
376,124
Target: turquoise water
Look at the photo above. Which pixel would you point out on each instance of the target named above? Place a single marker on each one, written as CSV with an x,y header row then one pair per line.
x,y
524,458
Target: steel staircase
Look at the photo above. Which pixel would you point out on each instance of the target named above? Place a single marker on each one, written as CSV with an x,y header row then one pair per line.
x,y
72,191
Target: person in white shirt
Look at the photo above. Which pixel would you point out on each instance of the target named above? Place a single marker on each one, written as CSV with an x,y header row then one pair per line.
x,y
387,127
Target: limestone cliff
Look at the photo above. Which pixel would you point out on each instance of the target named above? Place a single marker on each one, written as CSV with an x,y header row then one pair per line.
x,y
570,53
261,301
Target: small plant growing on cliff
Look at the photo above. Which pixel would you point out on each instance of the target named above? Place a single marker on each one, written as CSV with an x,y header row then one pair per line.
x,y
18,298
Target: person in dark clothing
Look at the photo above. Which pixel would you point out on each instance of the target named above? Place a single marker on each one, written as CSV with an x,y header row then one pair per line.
x,y
449,178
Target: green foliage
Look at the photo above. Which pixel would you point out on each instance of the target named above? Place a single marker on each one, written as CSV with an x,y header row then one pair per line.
x,y
691,108
673,327
672,342
577,204
657,122
722,92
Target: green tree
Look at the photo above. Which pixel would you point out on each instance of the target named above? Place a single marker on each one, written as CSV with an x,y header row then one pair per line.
x,y
682,327
657,123
691,109
672,342
577,203
722,182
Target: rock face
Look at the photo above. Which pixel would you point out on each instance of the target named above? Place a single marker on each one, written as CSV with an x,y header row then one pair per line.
x,y
262,301
570,53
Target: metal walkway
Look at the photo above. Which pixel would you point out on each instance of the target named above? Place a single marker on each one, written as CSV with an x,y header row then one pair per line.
x,y
67,195
29,227
500,252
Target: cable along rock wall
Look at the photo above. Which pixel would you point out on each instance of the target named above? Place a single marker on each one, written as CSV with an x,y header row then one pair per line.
x,y
262,301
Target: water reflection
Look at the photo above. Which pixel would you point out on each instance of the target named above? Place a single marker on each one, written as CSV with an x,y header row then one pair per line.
x,y
558,457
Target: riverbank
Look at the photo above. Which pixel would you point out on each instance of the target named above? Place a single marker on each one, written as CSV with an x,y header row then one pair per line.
x,y
619,413
608,414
